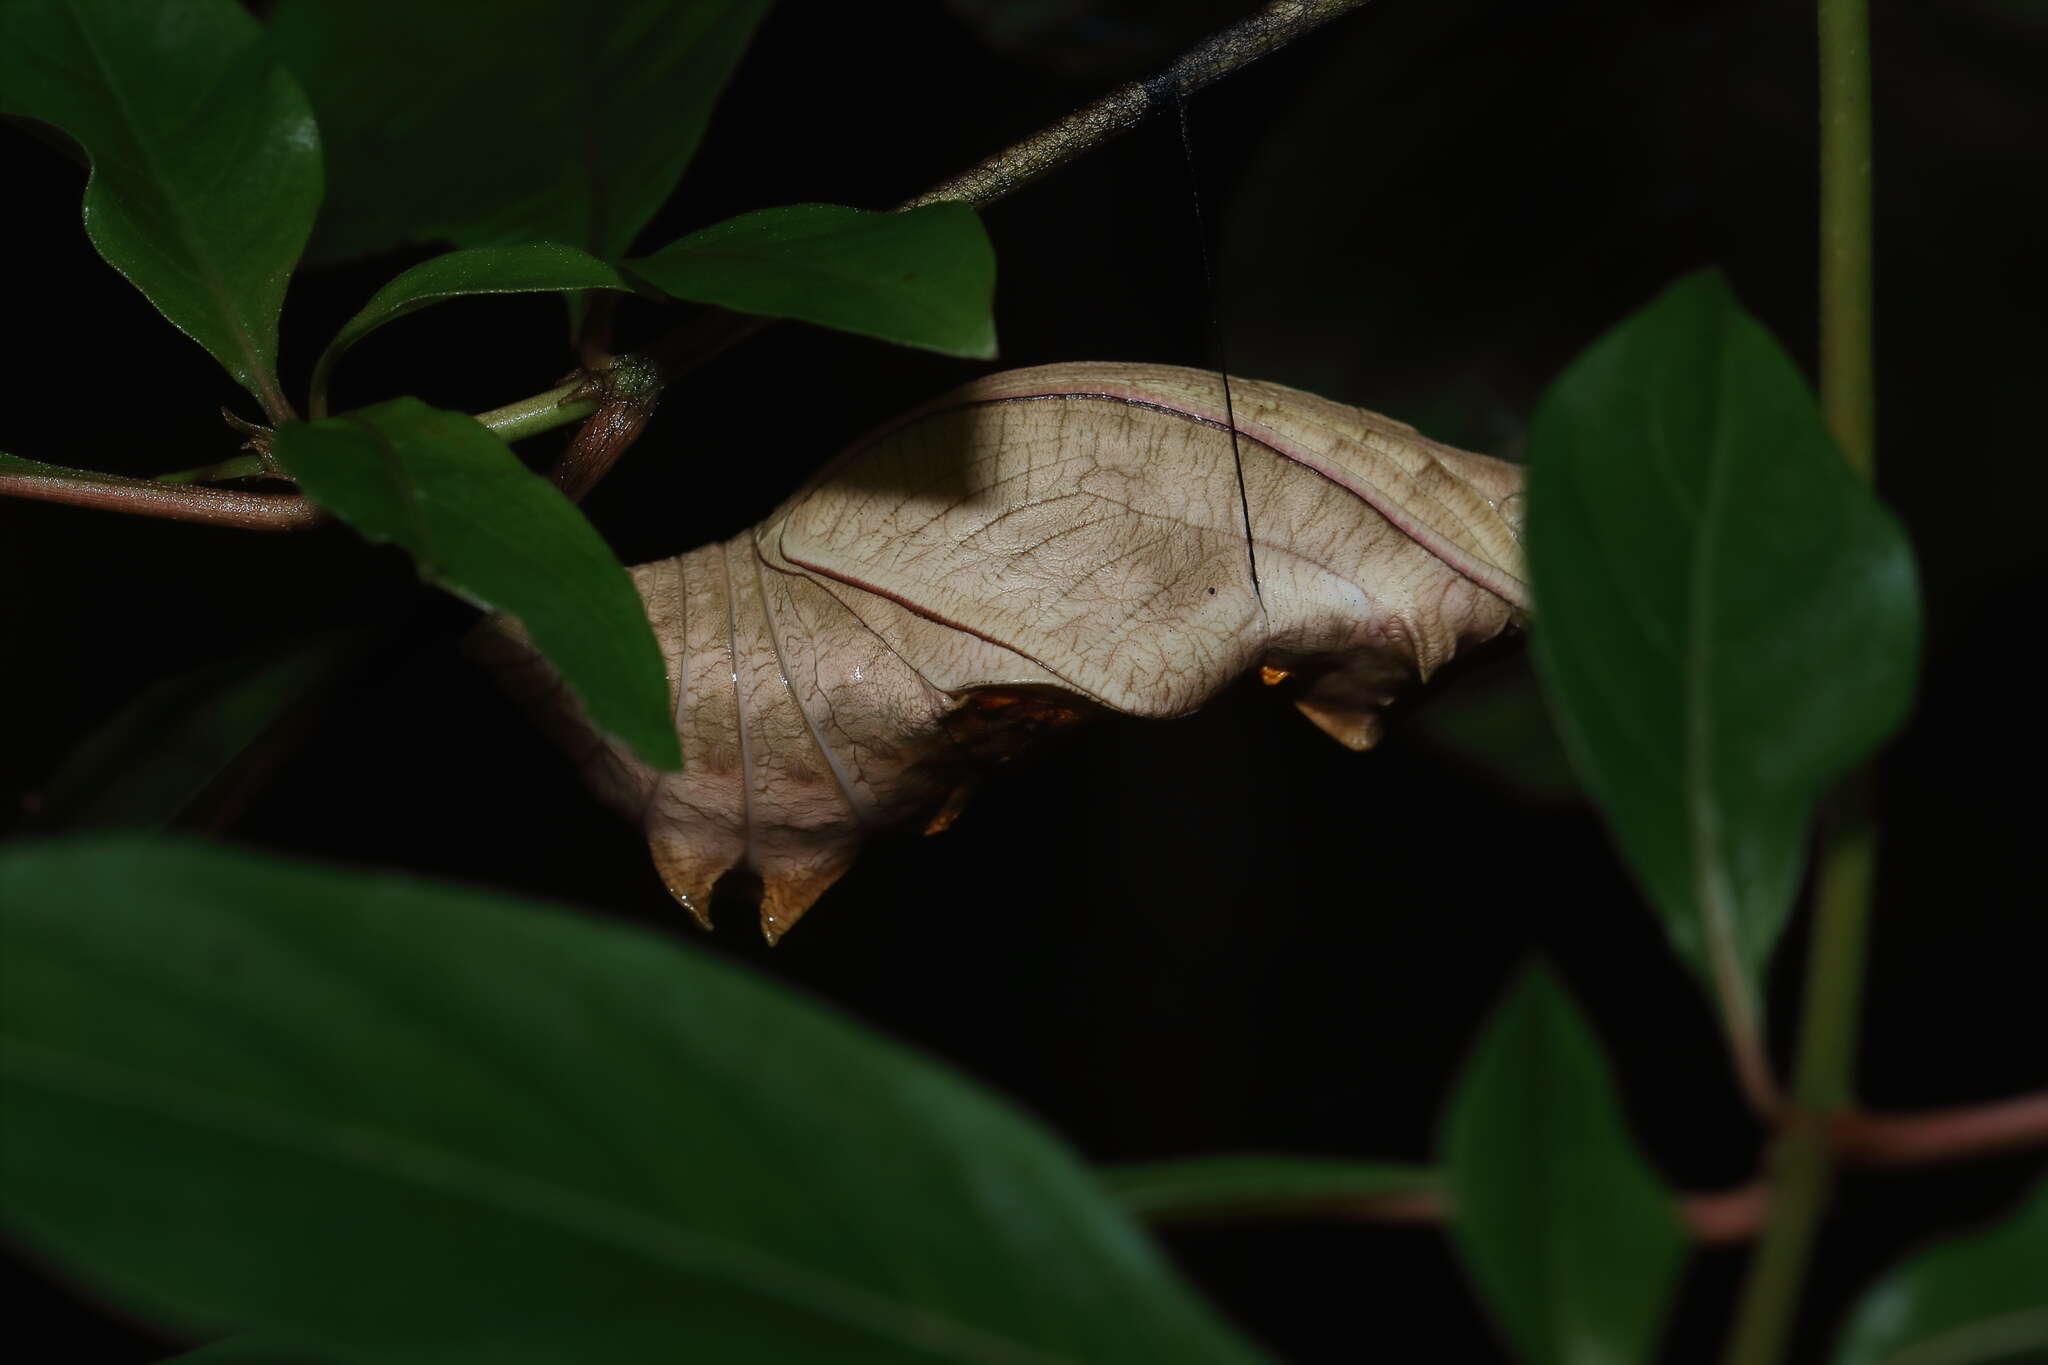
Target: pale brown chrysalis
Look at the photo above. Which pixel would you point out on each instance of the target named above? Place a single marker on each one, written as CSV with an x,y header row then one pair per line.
x,y
1032,549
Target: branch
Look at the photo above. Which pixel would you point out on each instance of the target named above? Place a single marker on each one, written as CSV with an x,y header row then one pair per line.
x,y
710,331
1720,1217
1713,1218
626,396
234,507
1343,1191
1915,1138
1124,108
178,498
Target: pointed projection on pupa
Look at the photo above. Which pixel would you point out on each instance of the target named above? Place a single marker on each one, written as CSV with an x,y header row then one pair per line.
x,y
1033,549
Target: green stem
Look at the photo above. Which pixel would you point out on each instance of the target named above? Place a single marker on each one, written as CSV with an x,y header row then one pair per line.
x,y
234,467
527,417
558,407
1847,386
1823,1081
1799,1176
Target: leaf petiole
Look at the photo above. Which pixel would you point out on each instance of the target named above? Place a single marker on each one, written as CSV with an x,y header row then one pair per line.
x,y
557,407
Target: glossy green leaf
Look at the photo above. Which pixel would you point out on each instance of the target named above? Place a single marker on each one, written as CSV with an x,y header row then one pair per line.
x,y
1971,1300
1726,618
161,751
520,268
924,277
483,526
486,121
416,1123
1253,1186
1570,1237
205,162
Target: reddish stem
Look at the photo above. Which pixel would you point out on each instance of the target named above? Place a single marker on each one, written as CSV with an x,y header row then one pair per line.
x,y
1724,1216
1920,1136
1721,1217
234,507
603,437
1713,1218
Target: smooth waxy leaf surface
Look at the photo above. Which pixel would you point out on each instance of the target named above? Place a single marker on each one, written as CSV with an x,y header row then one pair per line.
x,y
1572,1240
1285,1186
925,277
519,268
417,1123
1976,1298
483,526
485,121
205,162
159,753
1726,618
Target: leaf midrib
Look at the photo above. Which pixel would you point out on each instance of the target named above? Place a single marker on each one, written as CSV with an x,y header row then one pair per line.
x,y
1711,893
258,370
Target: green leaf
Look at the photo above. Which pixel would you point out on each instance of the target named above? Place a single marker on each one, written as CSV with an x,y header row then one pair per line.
x,y
1571,1238
160,752
483,526
248,1351
923,277
205,160
1976,1298
479,122
416,1123
522,268
1250,1186
1726,618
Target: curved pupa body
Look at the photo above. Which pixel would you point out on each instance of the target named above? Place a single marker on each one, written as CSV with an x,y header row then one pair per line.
x,y
1031,549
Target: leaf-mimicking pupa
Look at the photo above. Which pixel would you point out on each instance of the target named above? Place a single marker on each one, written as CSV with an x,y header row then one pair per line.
x,y
1032,549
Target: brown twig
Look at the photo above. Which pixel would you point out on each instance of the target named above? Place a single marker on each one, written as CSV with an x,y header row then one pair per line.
x,y
234,507
627,393
175,497
713,330
603,437
1127,106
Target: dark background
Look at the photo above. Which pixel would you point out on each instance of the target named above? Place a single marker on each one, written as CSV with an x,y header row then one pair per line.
x,y
1224,933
